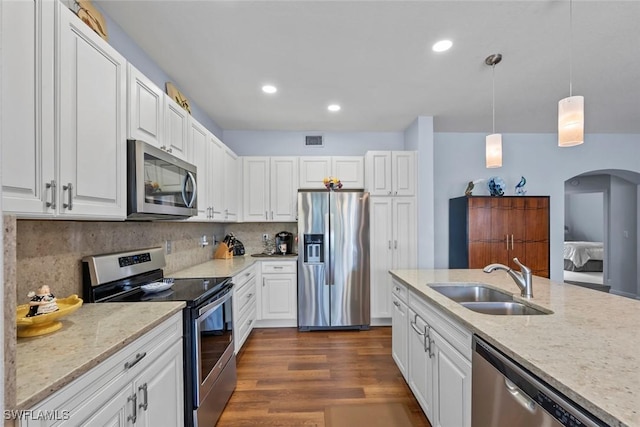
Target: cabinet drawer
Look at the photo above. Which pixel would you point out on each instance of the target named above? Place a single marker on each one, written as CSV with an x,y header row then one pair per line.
x,y
399,290
244,295
242,278
244,326
278,267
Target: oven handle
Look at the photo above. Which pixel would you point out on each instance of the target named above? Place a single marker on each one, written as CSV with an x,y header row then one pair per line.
x,y
207,309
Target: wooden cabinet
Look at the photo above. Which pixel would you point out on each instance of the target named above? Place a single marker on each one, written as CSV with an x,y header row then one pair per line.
x,y
244,305
485,230
278,294
141,384
394,245
64,122
270,187
390,173
349,169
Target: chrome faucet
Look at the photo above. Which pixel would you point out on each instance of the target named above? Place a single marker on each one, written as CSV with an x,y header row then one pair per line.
x,y
522,278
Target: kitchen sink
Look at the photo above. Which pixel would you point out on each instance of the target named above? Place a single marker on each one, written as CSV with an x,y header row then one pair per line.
x,y
504,308
483,299
470,292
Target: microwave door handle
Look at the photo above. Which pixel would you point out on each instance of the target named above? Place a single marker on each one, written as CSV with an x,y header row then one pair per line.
x,y
189,177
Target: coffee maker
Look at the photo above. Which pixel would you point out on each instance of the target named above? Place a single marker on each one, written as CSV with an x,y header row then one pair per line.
x,y
284,243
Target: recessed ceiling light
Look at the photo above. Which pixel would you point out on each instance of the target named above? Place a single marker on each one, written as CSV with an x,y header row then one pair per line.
x,y
333,107
269,89
442,45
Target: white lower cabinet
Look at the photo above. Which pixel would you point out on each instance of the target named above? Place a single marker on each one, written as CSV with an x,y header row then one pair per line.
x,y
279,294
244,305
140,385
438,358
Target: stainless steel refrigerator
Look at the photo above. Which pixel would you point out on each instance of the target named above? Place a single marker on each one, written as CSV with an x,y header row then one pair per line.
x,y
333,259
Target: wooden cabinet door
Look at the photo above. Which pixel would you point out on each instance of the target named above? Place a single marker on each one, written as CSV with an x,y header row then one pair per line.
x,y
255,181
536,235
479,231
92,116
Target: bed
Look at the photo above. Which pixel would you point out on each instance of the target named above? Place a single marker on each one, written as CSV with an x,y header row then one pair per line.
x,y
583,256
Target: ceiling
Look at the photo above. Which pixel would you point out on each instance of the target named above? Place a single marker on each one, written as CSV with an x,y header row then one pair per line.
x,y
374,58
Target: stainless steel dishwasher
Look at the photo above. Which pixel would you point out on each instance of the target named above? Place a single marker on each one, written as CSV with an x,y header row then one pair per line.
x,y
506,395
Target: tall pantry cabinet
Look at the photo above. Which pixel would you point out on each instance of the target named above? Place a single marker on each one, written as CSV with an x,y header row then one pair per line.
x,y
485,230
391,181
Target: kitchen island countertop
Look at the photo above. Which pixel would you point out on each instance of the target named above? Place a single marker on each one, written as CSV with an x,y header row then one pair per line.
x,y
88,336
588,349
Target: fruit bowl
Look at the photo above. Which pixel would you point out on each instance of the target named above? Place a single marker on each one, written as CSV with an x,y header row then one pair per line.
x,y
45,323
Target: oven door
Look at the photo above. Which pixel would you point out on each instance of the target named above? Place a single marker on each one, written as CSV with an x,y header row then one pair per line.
x,y
213,341
159,184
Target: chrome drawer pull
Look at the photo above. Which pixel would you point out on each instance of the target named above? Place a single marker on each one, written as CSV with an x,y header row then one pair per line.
x,y
143,388
139,357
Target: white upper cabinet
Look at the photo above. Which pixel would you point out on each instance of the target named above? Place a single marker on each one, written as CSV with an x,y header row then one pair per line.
x,y
232,187
91,97
145,108
270,186
391,173
217,179
201,152
348,169
176,136
26,98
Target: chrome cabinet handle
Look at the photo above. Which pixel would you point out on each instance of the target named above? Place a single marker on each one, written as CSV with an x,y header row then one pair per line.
x,y
415,328
169,150
512,242
143,388
389,244
506,236
164,147
266,215
395,244
134,416
272,215
52,185
249,296
389,193
69,196
139,357
249,322
396,304
395,194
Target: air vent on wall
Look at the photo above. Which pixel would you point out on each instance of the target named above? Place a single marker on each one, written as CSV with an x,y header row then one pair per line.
x,y
313,141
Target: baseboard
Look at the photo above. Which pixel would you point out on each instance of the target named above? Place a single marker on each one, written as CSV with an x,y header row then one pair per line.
x,y
624,294
278,323
381,321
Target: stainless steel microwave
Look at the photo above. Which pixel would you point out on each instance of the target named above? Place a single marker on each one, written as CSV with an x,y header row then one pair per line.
x,y
159,185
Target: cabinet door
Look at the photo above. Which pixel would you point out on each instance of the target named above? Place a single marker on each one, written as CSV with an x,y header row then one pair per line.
x,y
420,365
349,169
452,383
160,388
284,189
255,180
232,186
279,296
217,180
399,334
91,95
145,112
26,98
381,254
404,173
313,170
378,173
117,411
177,124
405,232
536,235
479,229
201,151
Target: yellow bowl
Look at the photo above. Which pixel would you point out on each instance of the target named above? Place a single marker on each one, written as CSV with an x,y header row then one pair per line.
x,y
45,323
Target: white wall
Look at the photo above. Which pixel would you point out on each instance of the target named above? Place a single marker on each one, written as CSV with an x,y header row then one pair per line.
x,y
289,143
459,158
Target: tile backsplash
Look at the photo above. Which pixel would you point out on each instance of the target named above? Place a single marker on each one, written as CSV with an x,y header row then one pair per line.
x,y
51,251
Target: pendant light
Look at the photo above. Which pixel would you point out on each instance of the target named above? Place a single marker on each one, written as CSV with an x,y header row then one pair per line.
x,y
493,149
571,109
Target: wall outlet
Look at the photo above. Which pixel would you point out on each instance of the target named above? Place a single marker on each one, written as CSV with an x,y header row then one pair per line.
x,y
265,237
168,246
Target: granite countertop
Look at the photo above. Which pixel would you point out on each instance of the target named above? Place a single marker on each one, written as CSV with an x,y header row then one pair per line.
x,y
88,336
217,268
588,349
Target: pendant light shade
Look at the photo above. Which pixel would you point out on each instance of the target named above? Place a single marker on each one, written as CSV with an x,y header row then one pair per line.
x,y
571,121
493,143
494,150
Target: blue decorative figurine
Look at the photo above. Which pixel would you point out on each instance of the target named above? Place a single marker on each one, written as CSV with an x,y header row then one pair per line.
x,y
520,191
496,186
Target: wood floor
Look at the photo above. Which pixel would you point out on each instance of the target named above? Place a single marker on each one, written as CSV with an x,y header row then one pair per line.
x,y
288,378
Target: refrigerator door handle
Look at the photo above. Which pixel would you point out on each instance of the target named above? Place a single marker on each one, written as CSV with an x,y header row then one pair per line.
x,y
328,264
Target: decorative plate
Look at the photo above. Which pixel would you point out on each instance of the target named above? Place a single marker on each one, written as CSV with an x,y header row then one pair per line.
x,y
157,286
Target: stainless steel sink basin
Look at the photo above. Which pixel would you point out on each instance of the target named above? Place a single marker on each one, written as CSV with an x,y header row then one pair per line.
x,y
483,299
502,308
470,292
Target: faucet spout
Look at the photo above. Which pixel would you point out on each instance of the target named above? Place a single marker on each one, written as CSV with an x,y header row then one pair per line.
x,y
522,278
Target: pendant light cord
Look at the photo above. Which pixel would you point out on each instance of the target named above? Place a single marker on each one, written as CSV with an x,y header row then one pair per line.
x,y
570,48
493,96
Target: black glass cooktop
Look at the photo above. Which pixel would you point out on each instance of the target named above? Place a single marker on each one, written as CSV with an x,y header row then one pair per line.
x,y
192,291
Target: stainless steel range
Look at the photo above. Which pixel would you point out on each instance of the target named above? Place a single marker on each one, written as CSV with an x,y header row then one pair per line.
x,y
209,360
